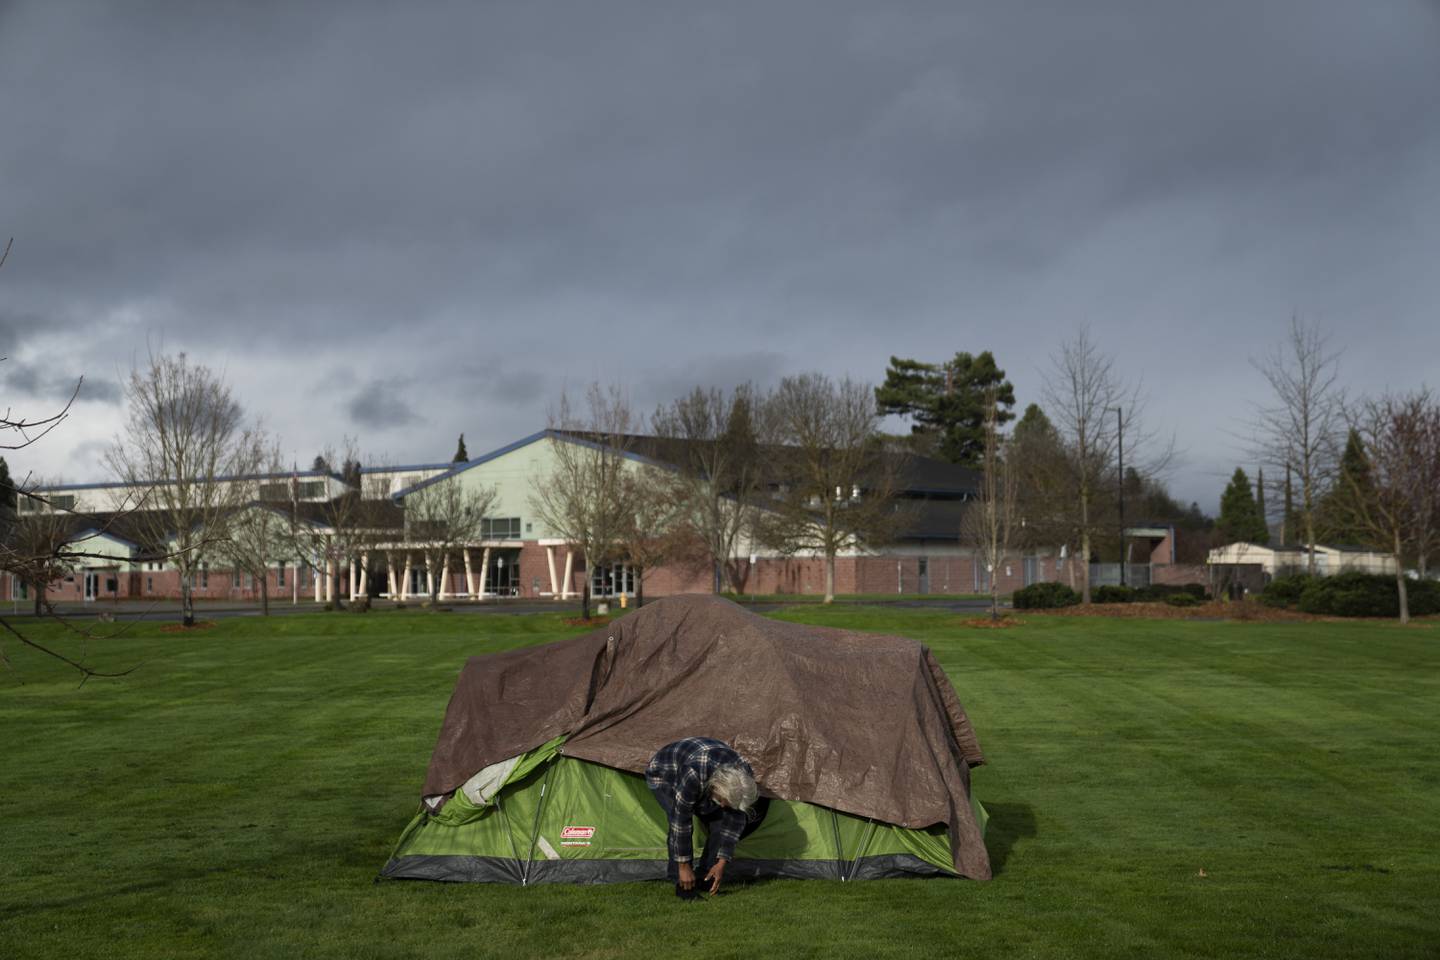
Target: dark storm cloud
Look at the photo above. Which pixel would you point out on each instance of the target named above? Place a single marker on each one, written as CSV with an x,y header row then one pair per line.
x,y
381,404
21,379
502,200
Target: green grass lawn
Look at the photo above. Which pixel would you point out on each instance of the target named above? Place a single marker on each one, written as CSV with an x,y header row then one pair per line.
x,y
237,793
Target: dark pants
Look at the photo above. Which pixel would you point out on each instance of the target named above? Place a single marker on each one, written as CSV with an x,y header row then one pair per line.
x,y
666,796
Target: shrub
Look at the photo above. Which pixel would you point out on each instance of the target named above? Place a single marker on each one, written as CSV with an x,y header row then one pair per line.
x,y
1113,594
1044,596
1352,594
1285,591
1183,600
1424,596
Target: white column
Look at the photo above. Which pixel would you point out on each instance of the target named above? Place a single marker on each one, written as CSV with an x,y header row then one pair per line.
x,y
484,570
469,575
569,566
363,585
319,587
445,576
405,579
350,563
429,577
330,572
390,577
550,559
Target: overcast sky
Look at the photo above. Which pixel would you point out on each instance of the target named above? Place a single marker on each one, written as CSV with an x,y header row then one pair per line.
x,y
402,221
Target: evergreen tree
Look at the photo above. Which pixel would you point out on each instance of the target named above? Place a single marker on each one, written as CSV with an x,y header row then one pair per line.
x,y
946,402
1260,497
1240,519
1336,517
460,455
7,487
350,474
320,463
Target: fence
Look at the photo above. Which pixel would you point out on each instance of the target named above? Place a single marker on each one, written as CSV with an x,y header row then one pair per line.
x,y
1108,574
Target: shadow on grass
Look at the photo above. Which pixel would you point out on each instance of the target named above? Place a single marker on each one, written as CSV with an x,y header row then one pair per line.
x,y
1009,824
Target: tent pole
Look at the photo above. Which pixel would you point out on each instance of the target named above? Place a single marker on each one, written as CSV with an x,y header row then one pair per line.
x,y
864,845
839,853
510,832
535,828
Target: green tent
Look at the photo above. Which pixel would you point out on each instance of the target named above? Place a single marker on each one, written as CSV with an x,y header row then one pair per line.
x,y
857,741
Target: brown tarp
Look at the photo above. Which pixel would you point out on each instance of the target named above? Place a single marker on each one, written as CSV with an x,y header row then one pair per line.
x,y
865,724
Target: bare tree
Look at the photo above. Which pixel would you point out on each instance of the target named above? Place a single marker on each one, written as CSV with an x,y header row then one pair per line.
x,y
1298,430
37,546
336,530
183,433
715,443
990,522
259,533
1424,444
1391,508
1092,406
442,517
1046,498
835,484
655,531
584,499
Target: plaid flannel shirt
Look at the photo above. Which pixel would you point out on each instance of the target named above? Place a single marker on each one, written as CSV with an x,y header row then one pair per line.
x,y
684,766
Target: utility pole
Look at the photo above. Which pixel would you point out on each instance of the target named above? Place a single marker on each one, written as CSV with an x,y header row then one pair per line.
x,y
1120,427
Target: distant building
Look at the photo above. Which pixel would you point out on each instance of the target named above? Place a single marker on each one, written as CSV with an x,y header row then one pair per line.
x,y
517,556
1276,561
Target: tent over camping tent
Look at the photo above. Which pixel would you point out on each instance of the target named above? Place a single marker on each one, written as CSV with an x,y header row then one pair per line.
x,y
859,740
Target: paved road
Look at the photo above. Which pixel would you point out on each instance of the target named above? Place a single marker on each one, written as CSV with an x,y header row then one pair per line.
x,y
170,610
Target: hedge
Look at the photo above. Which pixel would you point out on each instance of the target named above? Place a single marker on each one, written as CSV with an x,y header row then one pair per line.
x,y
1045,595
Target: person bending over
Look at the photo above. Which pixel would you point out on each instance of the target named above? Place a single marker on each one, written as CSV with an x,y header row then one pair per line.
x,y
705,778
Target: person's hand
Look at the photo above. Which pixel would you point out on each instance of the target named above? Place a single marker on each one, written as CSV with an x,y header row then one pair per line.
x,y
687,877
716,872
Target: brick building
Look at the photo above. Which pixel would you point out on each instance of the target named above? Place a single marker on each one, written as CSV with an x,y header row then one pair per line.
x,y
515,556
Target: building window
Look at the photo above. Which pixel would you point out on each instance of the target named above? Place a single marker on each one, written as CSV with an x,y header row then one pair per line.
x,y
311,489
500,528
63,501
149,584
612,581
280,575
275,492
235,578
204,576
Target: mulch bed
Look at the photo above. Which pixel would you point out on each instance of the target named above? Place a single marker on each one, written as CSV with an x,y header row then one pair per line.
x,y
985,623
181,628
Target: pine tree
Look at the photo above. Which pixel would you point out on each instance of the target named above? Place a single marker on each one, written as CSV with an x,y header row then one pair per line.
x,y
1260,497
946,401
460,455
1335,518
1240,519
320,464
7,487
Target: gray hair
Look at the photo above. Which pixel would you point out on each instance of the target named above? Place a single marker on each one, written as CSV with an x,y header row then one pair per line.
x,y
733,784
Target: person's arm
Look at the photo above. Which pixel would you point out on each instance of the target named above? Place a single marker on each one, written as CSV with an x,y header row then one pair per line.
x,y
728,832
682,816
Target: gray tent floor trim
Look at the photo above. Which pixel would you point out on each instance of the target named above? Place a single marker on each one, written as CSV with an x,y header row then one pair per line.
x,y
465,869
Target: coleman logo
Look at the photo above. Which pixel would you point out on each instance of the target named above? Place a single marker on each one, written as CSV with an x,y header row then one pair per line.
x,y
577,833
